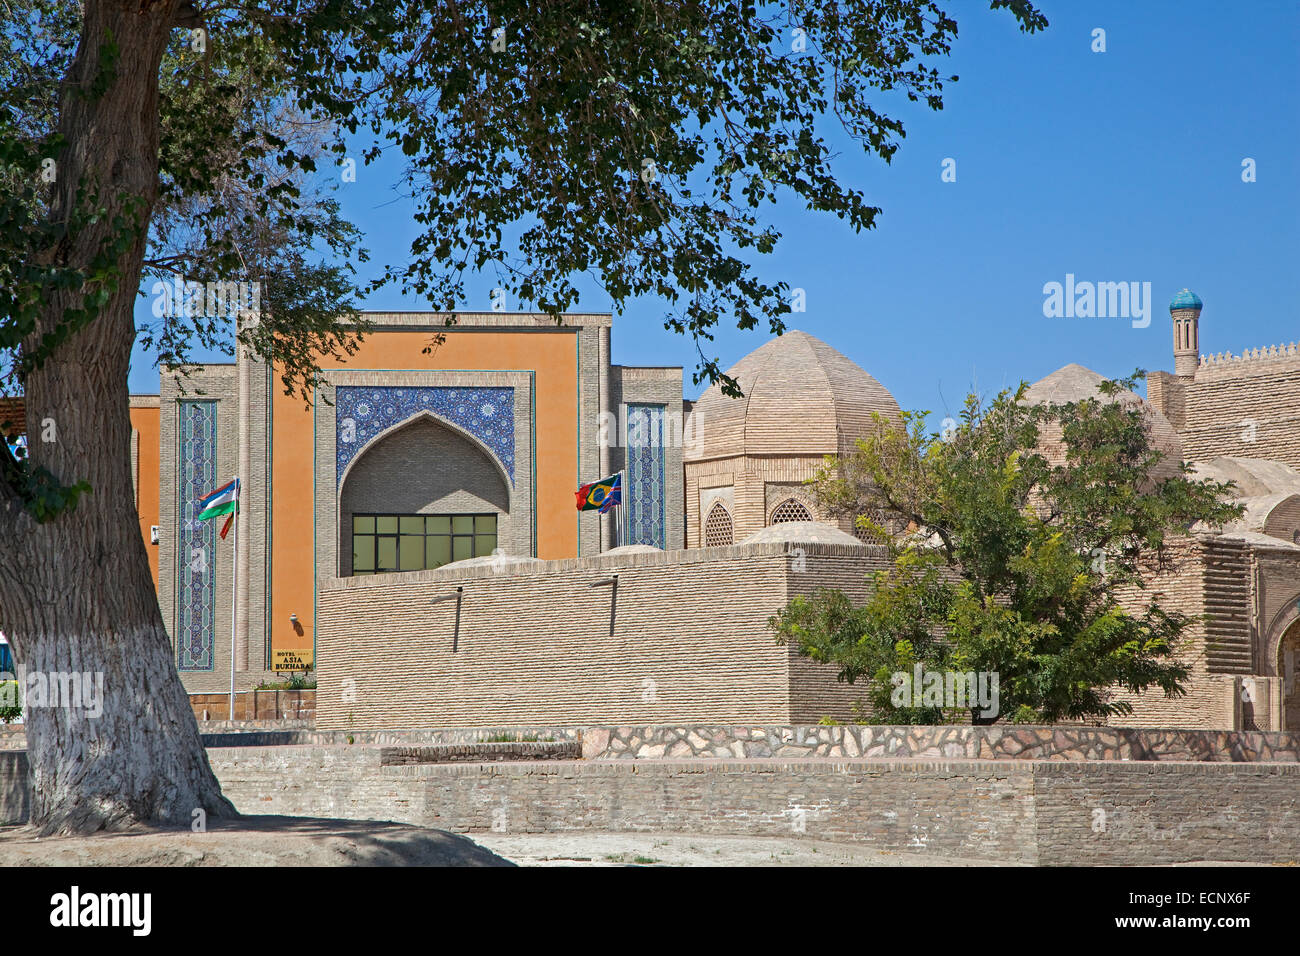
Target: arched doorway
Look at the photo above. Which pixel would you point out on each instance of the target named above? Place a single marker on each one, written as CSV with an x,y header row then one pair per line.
x,y
1288,670
422,495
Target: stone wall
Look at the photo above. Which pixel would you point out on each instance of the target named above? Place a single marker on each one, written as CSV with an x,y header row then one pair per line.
x,y
681,637
1030,812
985,743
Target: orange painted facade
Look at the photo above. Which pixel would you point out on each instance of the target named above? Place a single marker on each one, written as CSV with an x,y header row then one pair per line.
x,y
145,422
552,356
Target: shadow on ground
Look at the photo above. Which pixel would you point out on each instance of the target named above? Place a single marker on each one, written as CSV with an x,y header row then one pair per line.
x,y
251,841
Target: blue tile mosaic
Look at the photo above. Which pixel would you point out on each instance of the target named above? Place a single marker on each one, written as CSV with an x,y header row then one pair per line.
x,y
196,584
646,489
364,411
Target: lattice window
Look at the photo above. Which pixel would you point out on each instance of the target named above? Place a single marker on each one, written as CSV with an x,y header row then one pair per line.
x,y
717,527
866,535
790,510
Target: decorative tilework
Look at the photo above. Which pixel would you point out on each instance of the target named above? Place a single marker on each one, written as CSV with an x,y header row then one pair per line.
x,y
196,586
364,411
646,488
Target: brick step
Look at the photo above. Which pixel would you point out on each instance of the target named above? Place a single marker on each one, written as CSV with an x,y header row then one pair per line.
x,y
480,753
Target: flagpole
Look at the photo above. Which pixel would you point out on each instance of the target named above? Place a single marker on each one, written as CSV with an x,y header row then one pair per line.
x,y
234,599
622,494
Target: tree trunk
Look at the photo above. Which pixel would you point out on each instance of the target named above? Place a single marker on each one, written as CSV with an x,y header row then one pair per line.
x,y
76,595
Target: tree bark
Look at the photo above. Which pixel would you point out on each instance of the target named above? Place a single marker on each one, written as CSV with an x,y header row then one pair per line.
x,y
76,596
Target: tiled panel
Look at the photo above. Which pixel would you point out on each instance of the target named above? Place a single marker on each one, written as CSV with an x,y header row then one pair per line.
x,y
366,411
196,577
646,493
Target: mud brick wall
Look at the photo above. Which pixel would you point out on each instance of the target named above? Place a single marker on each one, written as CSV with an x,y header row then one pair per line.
x,y
1018,811
1153,813
683,637
1245,408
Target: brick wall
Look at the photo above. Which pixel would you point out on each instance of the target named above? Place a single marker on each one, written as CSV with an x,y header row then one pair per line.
x,y
1027,811
1042,812
1201,582
1155,813
683,637
1246,408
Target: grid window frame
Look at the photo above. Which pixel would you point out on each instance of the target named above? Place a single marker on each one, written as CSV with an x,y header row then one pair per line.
x,y
387,543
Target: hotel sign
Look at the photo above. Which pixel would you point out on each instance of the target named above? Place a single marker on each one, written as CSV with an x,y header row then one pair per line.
x,y
295,659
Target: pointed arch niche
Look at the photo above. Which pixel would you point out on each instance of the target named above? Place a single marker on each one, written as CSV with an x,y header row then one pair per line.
x,y
426,443
422,466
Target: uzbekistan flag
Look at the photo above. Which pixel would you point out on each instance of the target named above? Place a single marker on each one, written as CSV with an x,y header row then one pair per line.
x,y
601,495
223,501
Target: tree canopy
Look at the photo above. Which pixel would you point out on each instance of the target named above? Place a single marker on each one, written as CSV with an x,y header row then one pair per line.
x,y
639,141
1037,567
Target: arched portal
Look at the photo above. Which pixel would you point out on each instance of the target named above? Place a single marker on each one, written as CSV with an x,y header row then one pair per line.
x,y
421,496
1288,669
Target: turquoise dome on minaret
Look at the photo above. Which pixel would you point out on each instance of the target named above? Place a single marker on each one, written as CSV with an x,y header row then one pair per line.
x,y
1185,300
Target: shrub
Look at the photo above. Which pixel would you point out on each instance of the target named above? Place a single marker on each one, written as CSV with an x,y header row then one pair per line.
x,y
11,705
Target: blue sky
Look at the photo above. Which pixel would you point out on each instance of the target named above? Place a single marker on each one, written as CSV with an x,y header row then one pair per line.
x,y
1117,166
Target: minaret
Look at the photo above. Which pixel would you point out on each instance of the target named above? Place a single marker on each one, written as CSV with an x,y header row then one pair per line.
x,y
1186,312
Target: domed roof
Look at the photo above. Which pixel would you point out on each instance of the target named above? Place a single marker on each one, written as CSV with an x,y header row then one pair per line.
x,y
801,397
1074,383
633,549
502,562
1266,514
1253,477
1185,300
803,532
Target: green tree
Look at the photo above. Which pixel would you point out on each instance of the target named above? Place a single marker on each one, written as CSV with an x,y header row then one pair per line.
x,y
1036,568
634,140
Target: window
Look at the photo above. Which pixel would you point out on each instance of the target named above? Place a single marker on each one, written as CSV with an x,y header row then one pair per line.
x,y
382,543
865,535
790,510
717,527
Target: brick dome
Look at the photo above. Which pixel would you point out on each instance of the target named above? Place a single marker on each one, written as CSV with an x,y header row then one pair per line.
x,y
801,397
804,532
1074,383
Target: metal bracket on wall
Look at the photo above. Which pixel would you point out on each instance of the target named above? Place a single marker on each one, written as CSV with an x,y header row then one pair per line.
x,y
455,634
612,581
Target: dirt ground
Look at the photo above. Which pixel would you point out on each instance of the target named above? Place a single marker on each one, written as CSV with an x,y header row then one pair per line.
x,y
252,841
588,848
299,841
667,849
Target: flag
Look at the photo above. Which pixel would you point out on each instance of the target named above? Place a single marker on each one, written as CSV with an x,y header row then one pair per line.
x,y
601,495
223,501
